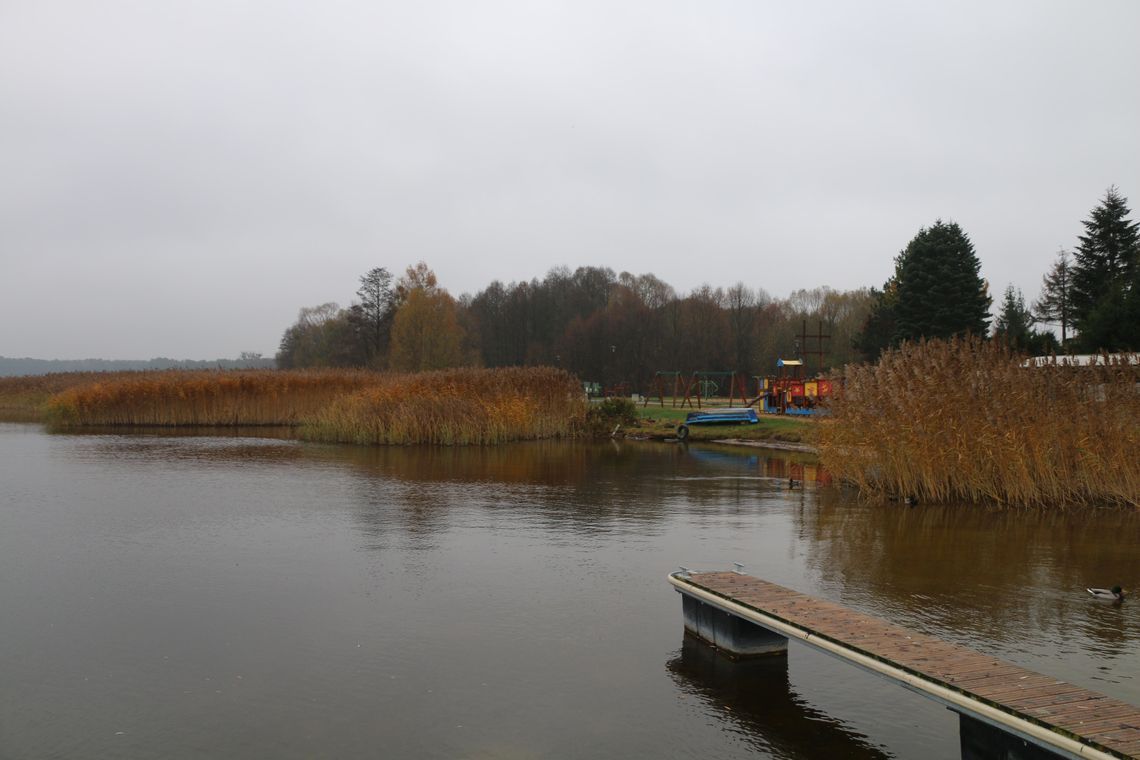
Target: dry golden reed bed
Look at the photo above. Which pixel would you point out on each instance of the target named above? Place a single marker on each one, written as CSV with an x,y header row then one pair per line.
x,y
23,397
448,407
465,406
173,397
965,421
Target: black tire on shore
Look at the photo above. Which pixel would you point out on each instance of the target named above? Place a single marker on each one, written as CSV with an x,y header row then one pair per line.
x,y
682,432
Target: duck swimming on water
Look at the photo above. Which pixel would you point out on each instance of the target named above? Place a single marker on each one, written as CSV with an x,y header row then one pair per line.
x,y
1114,594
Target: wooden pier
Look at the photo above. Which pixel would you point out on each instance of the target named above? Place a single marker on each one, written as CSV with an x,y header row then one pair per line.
x,y
749,616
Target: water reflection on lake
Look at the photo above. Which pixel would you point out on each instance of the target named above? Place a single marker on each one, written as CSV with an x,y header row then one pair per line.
x,y
230,596
1006,581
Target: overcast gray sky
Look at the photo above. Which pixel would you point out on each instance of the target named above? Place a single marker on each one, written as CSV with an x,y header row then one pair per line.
x,y
178,178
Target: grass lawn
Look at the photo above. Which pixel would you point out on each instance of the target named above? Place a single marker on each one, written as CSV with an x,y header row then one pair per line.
x,y
658,422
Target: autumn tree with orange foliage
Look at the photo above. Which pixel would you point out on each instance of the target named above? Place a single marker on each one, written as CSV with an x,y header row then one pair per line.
x,y
426,333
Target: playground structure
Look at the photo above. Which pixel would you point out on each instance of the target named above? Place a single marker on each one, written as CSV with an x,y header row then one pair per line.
x,y
790,393
700,385
786,392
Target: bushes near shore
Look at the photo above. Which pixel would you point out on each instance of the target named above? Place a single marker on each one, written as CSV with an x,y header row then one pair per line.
x,y
966,420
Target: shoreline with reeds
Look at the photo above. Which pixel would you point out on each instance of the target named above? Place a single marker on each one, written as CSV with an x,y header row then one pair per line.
x,y
964,421
448,407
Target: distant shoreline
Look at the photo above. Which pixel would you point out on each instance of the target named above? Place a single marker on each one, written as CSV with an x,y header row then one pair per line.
x,y
26,366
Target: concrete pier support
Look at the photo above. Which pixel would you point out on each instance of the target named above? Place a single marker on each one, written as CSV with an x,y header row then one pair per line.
x,y
981,741
735,636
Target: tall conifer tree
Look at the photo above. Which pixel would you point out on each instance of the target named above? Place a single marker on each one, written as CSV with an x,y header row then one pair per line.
x,y
940,293
1014,322
1104,268
1055,306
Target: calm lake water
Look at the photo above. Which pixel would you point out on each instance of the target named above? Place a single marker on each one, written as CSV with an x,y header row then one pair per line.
x,y
242,596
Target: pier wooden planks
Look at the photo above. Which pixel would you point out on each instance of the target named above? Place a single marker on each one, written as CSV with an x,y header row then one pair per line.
x,y
1107,724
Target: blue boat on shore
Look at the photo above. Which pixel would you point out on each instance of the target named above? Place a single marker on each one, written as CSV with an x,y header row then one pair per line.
x,y
742,416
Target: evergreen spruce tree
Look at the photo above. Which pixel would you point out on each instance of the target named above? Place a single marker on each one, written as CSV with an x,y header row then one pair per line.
x,y
1114,323
1104,268
940,293
1014,321
1055,306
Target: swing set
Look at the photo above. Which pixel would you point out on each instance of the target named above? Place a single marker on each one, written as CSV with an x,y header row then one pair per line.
x,y
700,385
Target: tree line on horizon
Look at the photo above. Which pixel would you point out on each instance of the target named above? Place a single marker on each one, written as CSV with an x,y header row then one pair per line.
x,y
612,328
603,326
